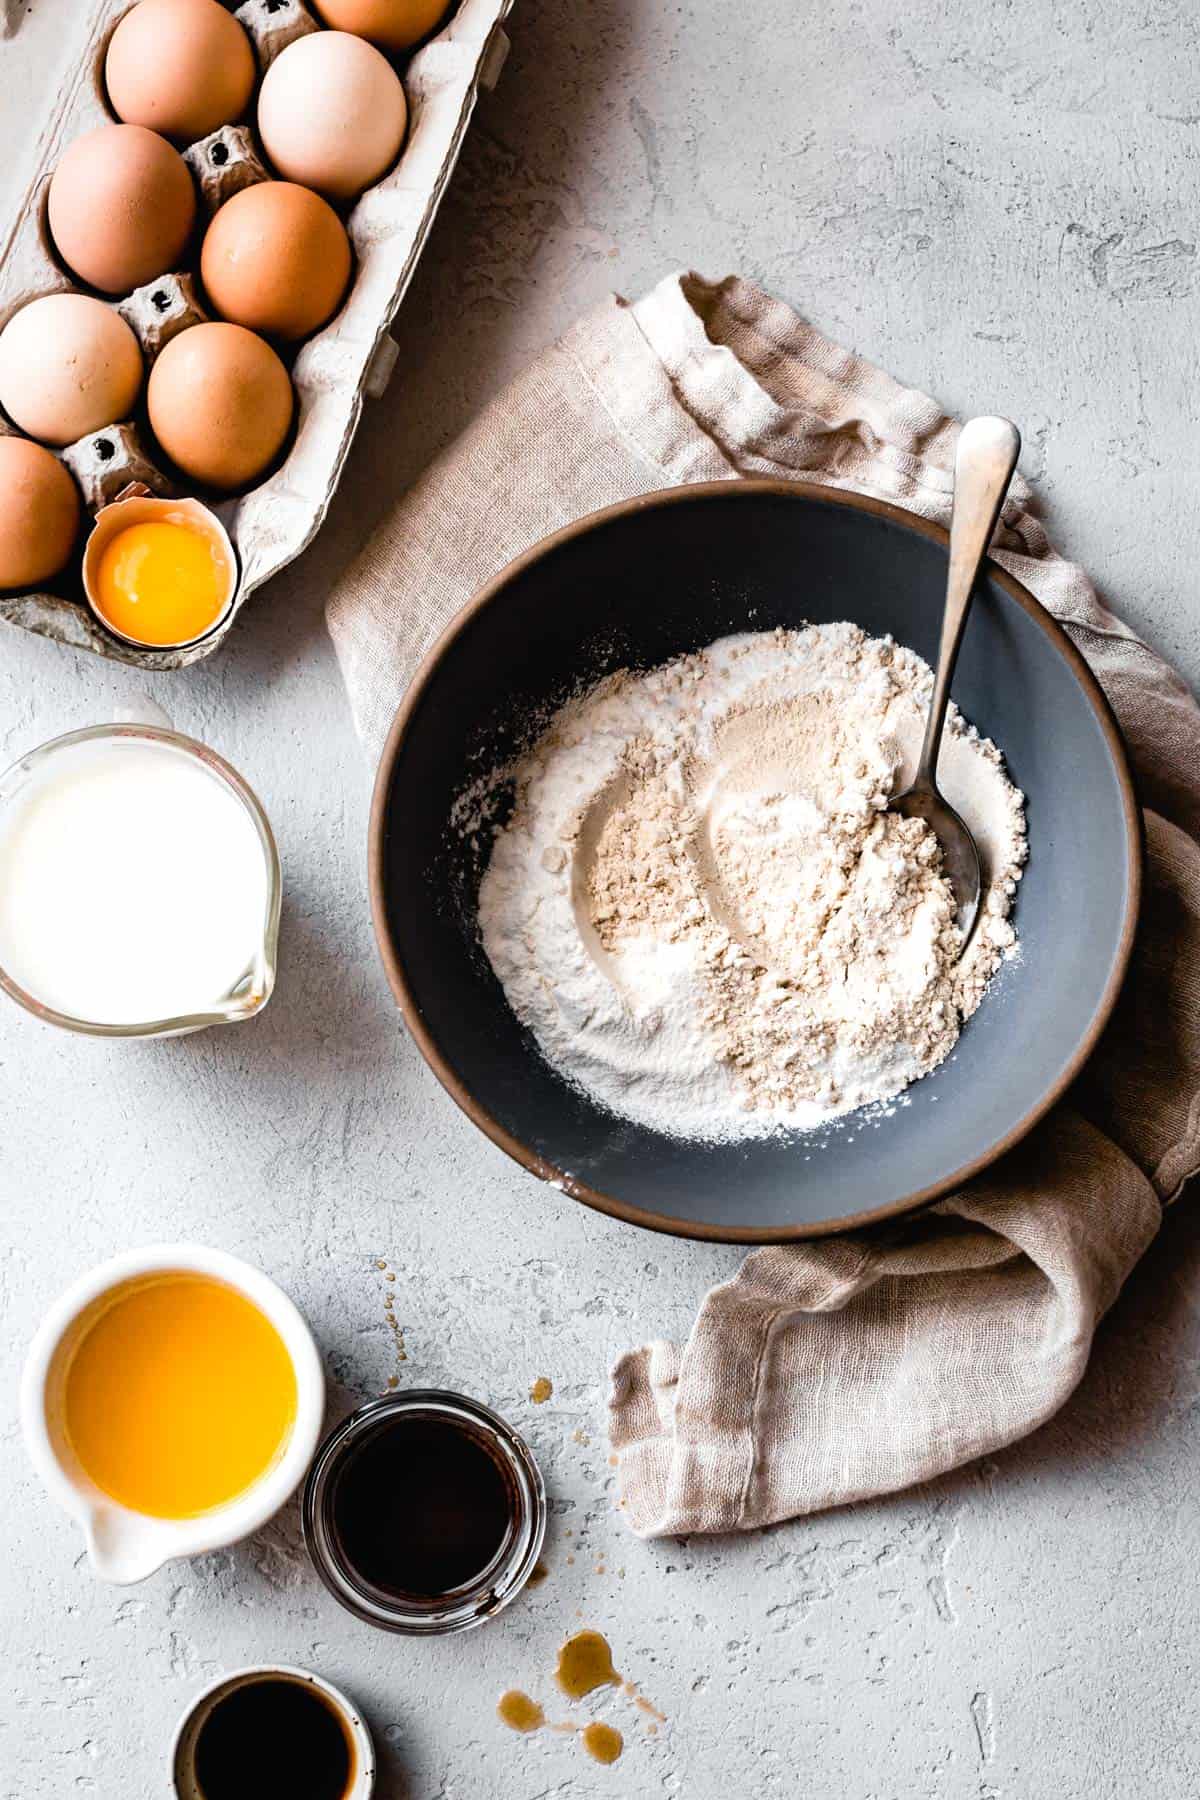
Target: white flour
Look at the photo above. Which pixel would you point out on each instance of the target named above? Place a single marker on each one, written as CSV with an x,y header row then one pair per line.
x,y
701,908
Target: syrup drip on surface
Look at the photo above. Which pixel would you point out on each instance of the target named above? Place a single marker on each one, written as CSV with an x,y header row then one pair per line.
x,y
642,1704
393,1323
541,1390
584,1663
519,1711
602,1742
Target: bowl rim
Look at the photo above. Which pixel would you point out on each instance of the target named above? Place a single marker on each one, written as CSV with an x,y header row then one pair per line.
x,y
521,1152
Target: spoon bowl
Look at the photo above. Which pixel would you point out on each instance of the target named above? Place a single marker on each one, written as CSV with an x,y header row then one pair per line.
x,y
960,857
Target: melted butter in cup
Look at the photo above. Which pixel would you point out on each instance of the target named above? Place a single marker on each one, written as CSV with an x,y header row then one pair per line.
x,y
171,1400
159,574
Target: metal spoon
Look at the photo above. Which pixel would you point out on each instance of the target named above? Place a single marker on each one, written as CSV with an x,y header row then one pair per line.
x,y
983,465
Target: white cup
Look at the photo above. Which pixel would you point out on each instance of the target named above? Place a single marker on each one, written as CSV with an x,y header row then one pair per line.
x,y
123,1545
183,1749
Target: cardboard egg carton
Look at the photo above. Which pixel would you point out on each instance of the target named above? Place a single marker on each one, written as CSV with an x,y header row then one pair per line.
x,y
333,372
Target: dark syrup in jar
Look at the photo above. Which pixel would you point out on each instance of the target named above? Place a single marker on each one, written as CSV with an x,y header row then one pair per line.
x,y
275,1736
421,1508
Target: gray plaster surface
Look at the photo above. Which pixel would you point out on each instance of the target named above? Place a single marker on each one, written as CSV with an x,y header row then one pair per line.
x,y
1000,207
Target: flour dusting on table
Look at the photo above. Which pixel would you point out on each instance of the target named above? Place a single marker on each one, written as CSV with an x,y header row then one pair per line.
x,y
702,909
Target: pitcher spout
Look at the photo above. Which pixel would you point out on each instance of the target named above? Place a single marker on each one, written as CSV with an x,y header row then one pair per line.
x,y
125,1547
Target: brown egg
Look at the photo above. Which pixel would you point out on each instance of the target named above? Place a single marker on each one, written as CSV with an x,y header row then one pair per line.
x,y
39,514
332,113
181,67
68,365
122,206
276,258
220,404
392,24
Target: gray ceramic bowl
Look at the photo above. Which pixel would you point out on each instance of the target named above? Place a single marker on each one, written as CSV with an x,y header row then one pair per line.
x,y
646,581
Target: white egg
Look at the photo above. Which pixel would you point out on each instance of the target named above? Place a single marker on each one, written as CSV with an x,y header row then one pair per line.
x,y
69,365
332,113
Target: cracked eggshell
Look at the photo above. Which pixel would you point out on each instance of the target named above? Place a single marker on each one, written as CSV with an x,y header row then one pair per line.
x,y
143,509
332,113
68,365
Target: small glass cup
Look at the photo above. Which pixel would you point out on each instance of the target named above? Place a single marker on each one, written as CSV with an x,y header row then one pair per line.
x,y
254,986
488,1592
187,1735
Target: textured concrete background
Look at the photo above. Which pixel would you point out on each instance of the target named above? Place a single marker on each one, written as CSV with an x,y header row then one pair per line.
x,y
1000,207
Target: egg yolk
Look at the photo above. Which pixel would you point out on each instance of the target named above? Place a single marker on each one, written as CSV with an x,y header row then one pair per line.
x,y
161,582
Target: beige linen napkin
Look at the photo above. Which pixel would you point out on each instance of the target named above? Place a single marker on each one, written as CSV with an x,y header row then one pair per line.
x,y
855,1365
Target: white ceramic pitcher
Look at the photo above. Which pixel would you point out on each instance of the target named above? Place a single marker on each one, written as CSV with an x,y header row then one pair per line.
x,y
126,1546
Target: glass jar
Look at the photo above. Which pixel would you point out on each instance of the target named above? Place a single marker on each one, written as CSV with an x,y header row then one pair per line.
x,y
251,987
487,1592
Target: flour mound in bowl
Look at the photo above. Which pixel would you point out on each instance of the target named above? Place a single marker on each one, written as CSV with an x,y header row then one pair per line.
x,y
704,913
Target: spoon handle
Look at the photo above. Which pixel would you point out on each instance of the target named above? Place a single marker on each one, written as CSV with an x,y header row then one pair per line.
x,y
983,466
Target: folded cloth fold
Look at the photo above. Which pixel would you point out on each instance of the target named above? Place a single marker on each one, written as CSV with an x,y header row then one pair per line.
x,y
857,1365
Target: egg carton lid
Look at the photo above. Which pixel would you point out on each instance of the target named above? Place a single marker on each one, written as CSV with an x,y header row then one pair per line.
x,y
335,371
